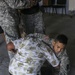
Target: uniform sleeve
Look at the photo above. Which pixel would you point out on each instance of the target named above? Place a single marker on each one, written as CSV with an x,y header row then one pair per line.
x,y
51,57
1,30
64,64
17,43
18,4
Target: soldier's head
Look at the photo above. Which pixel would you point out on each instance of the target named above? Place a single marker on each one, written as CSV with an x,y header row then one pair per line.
x,y
59,43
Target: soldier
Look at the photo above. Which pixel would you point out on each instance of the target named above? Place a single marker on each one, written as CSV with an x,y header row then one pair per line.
x,y
32,53
9,19
58,45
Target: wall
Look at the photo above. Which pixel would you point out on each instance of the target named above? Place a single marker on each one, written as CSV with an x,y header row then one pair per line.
x,y
71,5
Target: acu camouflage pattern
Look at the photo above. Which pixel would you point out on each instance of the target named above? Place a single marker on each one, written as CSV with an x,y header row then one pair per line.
x,y
64,61
31,54
9,19
33,23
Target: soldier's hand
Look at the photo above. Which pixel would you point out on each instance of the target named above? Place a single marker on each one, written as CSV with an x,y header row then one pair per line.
x,y
10,46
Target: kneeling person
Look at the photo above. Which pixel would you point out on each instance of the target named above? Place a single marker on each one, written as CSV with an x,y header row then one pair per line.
x,y
32,53
58,44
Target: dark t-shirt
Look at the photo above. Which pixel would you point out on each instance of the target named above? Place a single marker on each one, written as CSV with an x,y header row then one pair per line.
x,y
1,30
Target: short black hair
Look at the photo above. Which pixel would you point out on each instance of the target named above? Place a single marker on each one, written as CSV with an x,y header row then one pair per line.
x,y
62,39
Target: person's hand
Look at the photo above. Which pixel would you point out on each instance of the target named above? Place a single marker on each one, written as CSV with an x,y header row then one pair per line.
x,y
10,46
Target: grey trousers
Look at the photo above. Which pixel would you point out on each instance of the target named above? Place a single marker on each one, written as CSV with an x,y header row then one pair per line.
x,y
33,23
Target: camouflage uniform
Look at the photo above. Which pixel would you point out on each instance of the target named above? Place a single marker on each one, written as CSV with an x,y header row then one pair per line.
x,y
33,21
9,19
31,54
64,65
64,61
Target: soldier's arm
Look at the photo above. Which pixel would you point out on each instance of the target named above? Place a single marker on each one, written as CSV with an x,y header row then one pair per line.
x,y
64,64
51,57
13,45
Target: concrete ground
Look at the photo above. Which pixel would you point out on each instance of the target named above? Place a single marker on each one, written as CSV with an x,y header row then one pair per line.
x,y
65,24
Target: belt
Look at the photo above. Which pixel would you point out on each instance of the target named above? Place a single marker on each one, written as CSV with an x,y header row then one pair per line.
x,y
32,10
